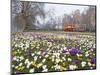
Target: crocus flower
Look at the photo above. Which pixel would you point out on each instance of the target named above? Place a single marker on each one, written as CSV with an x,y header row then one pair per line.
x,y
93,61
76,61
73,51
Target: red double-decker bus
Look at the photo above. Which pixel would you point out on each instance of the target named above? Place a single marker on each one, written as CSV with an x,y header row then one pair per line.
x,y
69,27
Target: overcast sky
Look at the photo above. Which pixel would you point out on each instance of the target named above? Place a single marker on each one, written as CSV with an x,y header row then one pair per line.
x,y
61,9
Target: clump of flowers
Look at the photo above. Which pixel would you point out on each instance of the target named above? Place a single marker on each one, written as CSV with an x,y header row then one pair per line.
x,y
46,52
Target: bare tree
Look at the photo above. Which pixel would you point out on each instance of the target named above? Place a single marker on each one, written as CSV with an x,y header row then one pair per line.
x,y
25,18
88,18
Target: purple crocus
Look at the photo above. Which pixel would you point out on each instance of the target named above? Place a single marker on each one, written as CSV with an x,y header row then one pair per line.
x,y
75,51
80,51
55,40
93,61
49,40
76,62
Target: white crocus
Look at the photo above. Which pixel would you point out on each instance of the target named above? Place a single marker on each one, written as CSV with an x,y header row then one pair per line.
x,y
94,46
28,64
65,48
37,47
91,67
77,54
31,70
20,64
61,49
45,70
16,67
43,60
16,45
57,67
46,55
40,57
57,54
69,59
21,57
57,60
31,38
89,64
35,58
44,66
39,52
32,54
49,44
52,59
26,61
15,58
21,45
72,67
13,65
27,44
87,54
83,63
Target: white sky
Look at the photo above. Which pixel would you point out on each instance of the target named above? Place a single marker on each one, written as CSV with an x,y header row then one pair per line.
x,y
60,9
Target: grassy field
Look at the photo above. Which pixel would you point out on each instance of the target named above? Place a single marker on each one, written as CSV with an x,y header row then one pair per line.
x,y
46,51
62,32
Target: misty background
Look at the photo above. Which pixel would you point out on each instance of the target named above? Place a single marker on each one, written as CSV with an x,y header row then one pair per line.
x,y
27,15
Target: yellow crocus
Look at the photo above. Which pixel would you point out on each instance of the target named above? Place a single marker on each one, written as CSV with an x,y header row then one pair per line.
x,y
34,64
20,68
63,68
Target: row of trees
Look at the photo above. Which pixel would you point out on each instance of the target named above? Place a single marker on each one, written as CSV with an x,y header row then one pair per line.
x,y
86,19
25,13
